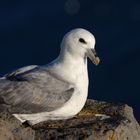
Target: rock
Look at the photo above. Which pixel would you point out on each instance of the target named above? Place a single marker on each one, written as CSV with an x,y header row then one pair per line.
x,y
97,121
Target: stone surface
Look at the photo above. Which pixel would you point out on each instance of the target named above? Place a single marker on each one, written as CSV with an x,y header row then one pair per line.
x,y
116,123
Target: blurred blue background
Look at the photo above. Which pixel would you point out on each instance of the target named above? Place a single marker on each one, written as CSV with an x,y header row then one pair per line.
x,y
31,31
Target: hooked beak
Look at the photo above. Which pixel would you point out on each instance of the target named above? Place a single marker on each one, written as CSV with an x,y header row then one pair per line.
x,y
91,53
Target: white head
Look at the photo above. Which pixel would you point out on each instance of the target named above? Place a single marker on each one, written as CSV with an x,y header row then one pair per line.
x,y
80,43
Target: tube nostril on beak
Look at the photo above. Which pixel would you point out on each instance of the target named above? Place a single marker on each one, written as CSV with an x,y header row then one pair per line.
x,y
94,52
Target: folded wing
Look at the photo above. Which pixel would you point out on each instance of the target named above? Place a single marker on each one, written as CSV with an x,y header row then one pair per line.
x,y
33,90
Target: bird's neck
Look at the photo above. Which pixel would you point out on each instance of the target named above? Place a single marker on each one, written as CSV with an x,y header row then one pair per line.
x,y
73,66
73,60
70,67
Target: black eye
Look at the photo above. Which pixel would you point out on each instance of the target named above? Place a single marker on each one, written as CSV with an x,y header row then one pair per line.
x,y
82,41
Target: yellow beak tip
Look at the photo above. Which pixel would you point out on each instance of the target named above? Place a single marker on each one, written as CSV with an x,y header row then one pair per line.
x,y
97,61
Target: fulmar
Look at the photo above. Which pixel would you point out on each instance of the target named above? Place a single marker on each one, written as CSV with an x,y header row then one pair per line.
x,y
55,91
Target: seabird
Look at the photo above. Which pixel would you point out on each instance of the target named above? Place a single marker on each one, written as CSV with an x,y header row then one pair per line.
x,y
55,91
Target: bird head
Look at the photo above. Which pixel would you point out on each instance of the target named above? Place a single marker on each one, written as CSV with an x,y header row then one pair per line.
x,y
80,43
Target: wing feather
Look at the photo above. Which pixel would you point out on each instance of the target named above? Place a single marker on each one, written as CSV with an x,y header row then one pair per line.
x,y
21,71
33,91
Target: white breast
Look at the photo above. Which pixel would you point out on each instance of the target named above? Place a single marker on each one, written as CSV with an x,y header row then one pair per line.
x,y
78,99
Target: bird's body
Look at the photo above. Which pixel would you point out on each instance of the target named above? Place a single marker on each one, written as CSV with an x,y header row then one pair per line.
x,y
55,91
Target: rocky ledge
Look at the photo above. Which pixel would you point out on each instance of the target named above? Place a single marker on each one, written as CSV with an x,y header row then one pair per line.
x,y
97,121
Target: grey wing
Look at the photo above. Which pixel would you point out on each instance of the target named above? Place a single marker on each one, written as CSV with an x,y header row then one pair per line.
x,y
14,74
34,91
